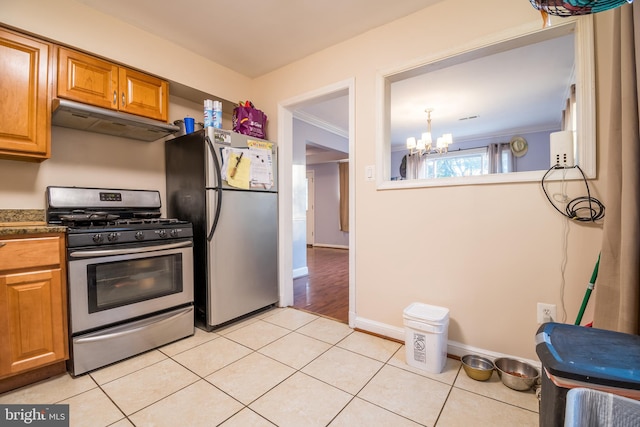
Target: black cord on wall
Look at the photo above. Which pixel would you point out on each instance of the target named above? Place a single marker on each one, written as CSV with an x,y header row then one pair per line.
x,y
583,208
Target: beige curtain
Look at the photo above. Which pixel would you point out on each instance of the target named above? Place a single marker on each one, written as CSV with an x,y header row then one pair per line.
x,y
617,294
343,170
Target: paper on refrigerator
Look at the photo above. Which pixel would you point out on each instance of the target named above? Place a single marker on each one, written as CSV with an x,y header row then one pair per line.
x,y
241,178
255,169
261,154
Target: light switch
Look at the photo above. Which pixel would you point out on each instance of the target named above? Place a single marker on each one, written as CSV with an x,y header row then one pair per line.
x,y
370,172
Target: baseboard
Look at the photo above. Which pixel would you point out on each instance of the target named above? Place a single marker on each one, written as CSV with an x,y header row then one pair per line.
x,y
454,348
33,376
459,350
379,328
300,272
321,245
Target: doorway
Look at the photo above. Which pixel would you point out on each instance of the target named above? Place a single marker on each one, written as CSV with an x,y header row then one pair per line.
x,y
325,290
290,171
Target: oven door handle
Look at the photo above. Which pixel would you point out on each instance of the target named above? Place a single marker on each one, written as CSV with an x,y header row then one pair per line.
x,y
144,325
108,252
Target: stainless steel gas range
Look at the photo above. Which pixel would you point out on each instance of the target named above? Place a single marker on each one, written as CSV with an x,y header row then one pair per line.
x,y
130,273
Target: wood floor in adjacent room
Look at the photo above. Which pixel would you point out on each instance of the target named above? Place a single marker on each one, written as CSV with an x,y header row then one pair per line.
x,y
325,291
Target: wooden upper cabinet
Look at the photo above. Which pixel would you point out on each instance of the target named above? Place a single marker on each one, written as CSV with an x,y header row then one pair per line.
x,y
25,107
143,94
85,78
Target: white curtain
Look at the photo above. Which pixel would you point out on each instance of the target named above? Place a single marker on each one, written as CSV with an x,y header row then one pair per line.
x,y
496,153
416,166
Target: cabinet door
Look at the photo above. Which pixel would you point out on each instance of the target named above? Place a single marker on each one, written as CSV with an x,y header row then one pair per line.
x,y
26,97
87,79
143,94
31,313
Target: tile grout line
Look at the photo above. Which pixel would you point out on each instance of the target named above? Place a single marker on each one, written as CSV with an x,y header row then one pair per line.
x,y
446,398
299,370
296,370
291,328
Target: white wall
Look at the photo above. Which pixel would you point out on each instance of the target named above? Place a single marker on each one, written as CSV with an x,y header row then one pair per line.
x,y
88,159
299,211
327,200
489,253
327,206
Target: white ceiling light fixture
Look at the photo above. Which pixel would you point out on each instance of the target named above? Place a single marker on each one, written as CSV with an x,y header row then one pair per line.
x,y
424,145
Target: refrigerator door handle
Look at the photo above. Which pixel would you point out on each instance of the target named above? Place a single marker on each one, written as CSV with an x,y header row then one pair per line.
x,y
217,188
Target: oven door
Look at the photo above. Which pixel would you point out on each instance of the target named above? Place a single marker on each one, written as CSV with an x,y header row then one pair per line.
x,y
124,282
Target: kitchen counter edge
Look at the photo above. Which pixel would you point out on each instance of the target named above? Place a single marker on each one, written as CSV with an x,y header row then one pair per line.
x,y
26,221
35,229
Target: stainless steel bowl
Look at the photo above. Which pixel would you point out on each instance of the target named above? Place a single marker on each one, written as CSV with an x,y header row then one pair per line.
x,y
516,374
477,367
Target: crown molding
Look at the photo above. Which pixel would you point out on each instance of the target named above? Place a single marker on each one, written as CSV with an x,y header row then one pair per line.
x,y
315,121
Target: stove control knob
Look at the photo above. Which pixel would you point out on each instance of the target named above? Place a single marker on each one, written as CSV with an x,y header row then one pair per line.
x,y
98,238
139,235
162,233
174,232
112,237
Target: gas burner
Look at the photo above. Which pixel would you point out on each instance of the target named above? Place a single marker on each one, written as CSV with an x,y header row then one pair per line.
x,y
87,218
95,216
136,221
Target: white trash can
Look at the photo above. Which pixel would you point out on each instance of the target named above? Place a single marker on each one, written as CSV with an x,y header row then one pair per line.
x,y
426,333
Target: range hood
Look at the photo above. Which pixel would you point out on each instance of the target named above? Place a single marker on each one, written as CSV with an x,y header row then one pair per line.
x,y
71,114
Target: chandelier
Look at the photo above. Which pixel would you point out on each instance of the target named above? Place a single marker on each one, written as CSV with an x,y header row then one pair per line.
x,y
424,145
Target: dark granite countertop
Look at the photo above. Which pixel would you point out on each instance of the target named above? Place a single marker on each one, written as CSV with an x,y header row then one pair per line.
x,y
25,221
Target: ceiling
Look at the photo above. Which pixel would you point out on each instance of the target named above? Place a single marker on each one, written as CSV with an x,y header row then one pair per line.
x,y
238,35
254,37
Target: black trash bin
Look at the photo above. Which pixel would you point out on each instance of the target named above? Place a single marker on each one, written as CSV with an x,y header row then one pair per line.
x,y
576,356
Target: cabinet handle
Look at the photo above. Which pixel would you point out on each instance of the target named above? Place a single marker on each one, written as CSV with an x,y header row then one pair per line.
x,y
123,103
115,97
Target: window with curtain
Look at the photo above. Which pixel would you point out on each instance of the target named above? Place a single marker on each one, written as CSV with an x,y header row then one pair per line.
x,y
500,158
496,158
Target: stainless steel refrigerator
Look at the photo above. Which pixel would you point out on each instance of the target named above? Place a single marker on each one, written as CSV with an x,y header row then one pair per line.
x,y
226,185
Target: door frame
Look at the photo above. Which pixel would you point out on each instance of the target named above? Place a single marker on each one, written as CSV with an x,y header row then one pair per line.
x,y
311,207
285,222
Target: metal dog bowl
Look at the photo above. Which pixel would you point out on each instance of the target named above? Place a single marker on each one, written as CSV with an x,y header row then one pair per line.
x,y
477,367
515,374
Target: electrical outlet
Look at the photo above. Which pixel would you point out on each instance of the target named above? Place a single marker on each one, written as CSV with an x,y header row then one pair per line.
x,y
546,313
561,148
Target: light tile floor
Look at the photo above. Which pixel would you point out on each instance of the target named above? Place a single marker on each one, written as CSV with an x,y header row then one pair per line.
x,y
286,368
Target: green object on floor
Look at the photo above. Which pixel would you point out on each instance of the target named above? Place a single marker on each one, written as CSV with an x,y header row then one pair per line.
x,y
587,295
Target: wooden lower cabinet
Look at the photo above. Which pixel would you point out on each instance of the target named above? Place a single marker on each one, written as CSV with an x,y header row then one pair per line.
x,y
33,304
